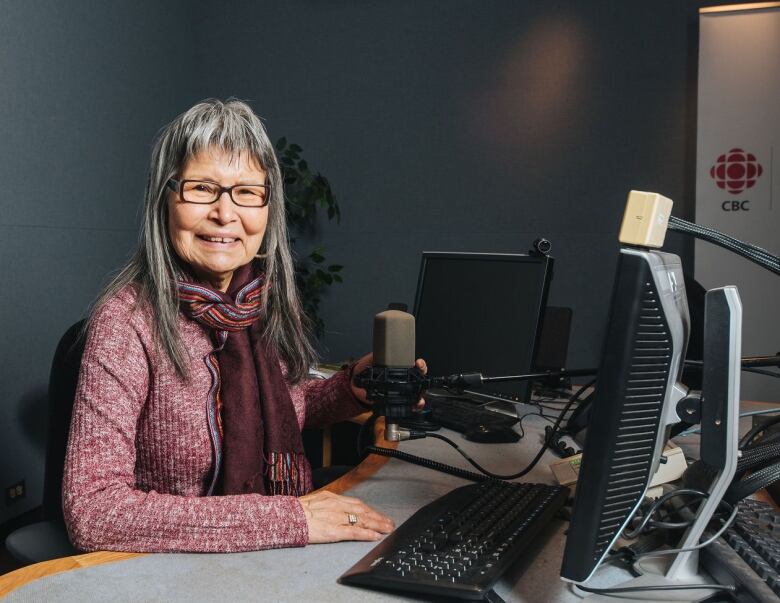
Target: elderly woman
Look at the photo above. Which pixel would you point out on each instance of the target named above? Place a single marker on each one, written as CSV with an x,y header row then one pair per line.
x,y
186,430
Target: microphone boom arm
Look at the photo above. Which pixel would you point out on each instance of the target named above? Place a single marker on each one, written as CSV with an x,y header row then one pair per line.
x,y
395,391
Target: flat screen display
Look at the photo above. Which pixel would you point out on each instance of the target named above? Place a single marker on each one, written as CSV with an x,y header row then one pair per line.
x,y
481,312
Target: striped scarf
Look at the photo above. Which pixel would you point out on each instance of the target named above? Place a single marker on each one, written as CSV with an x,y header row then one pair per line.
x,y
256,436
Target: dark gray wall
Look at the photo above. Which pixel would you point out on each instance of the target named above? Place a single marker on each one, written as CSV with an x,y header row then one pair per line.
x,y
84,86
468,126
442,125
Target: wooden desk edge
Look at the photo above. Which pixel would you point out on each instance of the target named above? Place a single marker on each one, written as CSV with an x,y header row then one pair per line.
x,y
13,580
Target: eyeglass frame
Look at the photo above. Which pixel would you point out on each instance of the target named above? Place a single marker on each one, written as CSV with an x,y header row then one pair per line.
x,y
177,186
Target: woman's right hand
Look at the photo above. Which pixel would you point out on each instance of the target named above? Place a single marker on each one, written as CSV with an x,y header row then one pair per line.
x,y
328,518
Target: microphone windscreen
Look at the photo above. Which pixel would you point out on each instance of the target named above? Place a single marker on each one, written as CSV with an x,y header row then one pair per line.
x,y
394,339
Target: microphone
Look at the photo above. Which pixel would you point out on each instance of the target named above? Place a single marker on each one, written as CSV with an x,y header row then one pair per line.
x,y
394,337
393,383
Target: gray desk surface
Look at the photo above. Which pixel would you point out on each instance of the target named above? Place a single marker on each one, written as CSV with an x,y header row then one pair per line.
x,y
311,573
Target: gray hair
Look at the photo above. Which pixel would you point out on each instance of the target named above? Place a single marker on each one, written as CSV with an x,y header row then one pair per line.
x,y
234,128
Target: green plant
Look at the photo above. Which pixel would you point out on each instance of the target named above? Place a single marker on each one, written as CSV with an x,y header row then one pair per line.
x,y
305,193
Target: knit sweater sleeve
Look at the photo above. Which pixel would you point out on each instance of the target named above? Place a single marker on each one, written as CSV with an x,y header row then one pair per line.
x,y
105,509
327,401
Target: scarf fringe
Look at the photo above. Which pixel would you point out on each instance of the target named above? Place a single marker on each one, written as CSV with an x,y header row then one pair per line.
x,y
287,473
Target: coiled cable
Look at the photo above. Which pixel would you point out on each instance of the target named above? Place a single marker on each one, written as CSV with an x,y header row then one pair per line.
x,y
423,462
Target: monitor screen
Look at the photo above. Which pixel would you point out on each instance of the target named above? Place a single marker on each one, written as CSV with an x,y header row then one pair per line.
x,y
481,312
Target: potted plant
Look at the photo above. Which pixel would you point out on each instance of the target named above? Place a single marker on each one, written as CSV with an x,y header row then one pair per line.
x,y
307,192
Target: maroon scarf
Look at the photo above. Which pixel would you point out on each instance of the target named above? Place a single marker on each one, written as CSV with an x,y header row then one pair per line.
x,y
262,450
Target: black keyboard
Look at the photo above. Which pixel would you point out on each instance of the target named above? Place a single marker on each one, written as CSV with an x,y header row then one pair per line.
x,y
748,554
459,545
463,415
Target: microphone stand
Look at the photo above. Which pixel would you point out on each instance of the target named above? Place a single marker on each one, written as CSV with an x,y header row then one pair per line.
x,y
396,391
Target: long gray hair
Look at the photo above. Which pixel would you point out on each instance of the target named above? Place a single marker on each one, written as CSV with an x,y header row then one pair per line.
x,y
234,128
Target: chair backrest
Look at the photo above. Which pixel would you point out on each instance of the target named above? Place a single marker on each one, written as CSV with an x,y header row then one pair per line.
x,y
62,391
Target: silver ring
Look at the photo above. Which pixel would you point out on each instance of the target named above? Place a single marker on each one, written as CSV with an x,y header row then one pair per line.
x,y
352,518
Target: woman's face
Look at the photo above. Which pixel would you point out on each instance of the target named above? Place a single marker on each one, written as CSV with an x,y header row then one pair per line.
x,y
217,239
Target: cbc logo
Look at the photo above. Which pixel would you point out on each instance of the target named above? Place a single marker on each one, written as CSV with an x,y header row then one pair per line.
x,y
736,171
736,205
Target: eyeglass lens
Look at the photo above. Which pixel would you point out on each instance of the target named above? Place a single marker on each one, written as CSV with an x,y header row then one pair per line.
x,y
251,195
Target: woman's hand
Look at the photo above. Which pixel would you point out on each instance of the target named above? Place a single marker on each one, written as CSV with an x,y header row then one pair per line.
x,y
367,361
329,518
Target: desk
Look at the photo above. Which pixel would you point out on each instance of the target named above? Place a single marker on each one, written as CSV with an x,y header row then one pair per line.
x,y
310,573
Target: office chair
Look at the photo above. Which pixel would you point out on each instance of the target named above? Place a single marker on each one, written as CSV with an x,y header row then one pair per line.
x,y
48,539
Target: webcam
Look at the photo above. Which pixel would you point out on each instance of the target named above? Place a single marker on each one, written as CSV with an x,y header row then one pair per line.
x,y
542,246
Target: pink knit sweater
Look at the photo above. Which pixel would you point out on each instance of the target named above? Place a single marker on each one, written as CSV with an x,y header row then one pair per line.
x,y
140,454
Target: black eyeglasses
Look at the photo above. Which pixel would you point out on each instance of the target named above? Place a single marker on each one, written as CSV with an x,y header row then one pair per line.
x,y
205,192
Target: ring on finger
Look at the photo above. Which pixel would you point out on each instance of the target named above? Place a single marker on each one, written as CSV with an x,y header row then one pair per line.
x,y
352,518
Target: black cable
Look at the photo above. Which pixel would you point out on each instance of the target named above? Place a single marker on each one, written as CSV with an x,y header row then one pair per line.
x,y
762,259
582,408
451,396
551,408
547,441
636,589
757,480
698,364
423,462
576,395
766,440
520,421
655,507
751,252
758,361
757,457
748,437
465,455
759,371
759,452
711,235
746,361
633,533
551,436
708,231
623,589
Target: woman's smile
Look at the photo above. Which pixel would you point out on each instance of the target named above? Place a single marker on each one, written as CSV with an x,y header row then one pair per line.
x,y
218,242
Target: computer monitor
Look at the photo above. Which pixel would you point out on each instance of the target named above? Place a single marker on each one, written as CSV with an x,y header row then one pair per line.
x,y
637,388
634,407
482,312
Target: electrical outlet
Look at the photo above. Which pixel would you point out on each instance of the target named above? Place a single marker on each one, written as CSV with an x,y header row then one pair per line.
x,y
15,492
